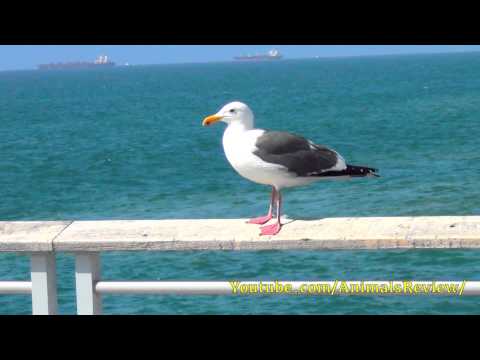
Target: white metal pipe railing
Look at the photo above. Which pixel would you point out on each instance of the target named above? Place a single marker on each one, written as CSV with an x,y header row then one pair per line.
x,y
42,287
90,287
312,288
164,287
15,287
86,239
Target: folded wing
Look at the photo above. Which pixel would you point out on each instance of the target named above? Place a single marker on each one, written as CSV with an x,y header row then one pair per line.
x,y
299,155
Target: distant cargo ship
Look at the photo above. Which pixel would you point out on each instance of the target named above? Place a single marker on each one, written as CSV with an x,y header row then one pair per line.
x,y
100,62
272,55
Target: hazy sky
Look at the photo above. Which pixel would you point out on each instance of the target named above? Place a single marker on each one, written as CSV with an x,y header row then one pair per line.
x,y
28,56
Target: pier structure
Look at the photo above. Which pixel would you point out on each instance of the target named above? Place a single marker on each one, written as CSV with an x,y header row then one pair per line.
x,y
86,240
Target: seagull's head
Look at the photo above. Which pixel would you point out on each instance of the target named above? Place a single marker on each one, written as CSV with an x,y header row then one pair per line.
x,y
232,113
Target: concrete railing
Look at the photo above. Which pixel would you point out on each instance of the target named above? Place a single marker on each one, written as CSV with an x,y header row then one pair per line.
x,y
86,239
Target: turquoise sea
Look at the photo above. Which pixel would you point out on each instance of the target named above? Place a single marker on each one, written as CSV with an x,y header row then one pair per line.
x,y
127,143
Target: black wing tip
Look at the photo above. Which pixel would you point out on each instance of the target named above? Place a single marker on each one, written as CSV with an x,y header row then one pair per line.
x,y
373,172
355,170
350,171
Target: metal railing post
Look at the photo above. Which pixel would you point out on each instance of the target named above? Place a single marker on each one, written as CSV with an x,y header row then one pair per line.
x,y
87,273
44,284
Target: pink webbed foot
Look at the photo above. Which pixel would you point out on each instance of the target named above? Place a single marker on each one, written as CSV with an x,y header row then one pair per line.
x,y
260,220
271,229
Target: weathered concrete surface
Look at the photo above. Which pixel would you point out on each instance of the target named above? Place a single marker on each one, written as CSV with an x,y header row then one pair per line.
x,y
235,234
31,236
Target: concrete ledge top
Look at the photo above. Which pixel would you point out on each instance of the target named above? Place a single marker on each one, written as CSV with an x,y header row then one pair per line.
x,y
29,235
235,234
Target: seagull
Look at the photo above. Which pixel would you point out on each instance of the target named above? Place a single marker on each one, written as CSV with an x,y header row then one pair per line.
x,y
276,158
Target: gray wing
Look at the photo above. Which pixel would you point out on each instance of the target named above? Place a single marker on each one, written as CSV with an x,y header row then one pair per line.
x,y
296,153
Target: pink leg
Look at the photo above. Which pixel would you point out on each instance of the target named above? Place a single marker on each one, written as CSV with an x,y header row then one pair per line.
x,y
275,228
264,219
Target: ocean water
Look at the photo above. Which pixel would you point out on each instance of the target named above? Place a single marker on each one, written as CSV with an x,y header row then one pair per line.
x,y
128,143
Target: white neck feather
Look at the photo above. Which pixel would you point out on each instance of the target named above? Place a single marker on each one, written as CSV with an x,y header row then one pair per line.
x,y
239,126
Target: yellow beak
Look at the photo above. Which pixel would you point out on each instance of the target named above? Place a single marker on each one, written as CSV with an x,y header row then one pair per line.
x,y
209,120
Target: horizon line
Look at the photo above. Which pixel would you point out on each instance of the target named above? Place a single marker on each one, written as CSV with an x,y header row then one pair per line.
x,y
315,57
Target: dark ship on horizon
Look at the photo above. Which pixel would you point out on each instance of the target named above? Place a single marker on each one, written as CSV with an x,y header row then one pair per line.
x,y
271,55
100,62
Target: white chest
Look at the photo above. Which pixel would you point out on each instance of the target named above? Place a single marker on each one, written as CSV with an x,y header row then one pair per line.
x,y
239,146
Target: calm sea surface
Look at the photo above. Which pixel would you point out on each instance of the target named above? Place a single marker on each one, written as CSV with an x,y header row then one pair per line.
x,y
127,143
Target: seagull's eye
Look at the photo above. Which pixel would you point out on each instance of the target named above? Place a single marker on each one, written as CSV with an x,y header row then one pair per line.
x,y
232,111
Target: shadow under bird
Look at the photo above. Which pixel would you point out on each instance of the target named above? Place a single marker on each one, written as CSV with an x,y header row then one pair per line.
x,y
277,158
